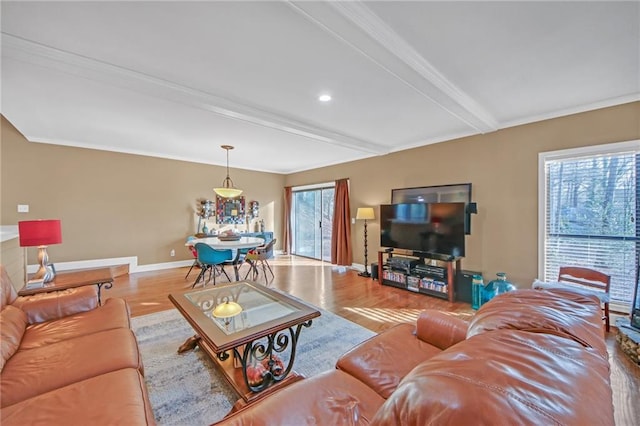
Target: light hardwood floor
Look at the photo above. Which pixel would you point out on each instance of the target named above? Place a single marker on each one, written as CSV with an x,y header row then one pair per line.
x,y
362,301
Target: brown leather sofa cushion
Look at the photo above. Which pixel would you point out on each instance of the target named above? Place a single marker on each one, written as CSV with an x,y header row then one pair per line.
x,y
115,398
13,323
326,399
440,329
505,377
35,371
7,292
564,313
382,361
114,313
57,304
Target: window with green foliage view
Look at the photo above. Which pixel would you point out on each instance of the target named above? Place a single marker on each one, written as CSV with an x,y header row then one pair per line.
x,y
591,205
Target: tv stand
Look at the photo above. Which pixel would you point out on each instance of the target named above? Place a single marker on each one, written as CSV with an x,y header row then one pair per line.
x,y
426,273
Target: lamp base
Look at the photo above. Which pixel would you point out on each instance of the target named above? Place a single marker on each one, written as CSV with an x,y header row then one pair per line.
x,y
365,274
45,271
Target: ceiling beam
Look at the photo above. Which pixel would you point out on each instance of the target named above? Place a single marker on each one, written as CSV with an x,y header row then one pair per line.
x,y
82,66
356,25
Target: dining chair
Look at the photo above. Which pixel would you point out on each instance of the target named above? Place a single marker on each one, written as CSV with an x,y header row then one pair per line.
x,y
239,260
242,256
212,260
193,251
259,256
589,280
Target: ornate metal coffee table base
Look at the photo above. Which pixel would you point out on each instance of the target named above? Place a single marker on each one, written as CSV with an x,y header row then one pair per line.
x,y
274,374
254,345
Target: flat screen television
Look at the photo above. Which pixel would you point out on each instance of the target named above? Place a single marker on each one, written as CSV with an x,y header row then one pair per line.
x,y
430,228
456,193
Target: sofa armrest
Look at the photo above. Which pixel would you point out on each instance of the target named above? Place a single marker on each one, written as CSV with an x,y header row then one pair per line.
x,y
439,329
57,304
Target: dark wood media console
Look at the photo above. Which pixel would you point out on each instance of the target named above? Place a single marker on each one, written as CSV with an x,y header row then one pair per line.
x,y
411,271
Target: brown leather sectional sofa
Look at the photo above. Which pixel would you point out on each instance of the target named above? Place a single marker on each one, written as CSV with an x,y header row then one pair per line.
x,y
66,360
528,357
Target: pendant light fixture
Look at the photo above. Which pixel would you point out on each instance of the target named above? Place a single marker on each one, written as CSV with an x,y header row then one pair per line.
x,y
227,190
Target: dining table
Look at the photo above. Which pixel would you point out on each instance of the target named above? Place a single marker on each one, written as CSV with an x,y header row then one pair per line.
x,y
235,245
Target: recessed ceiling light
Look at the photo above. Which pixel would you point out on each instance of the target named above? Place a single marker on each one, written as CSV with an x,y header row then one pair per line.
x,y
324,98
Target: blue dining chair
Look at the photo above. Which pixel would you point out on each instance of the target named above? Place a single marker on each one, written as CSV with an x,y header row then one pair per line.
x,y
212,260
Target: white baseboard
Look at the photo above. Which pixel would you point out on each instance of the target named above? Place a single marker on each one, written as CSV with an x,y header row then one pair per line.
x,y
165,265
343,268
133,265
358,267
103,263
93,263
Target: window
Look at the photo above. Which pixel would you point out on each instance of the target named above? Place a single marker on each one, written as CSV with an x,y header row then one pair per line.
x,y
312,219
589,210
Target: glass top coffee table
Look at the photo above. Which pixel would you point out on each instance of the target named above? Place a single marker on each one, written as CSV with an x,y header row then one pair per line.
x,y
249,331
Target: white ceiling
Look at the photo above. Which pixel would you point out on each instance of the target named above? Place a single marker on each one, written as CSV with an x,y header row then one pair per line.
x,y
178,79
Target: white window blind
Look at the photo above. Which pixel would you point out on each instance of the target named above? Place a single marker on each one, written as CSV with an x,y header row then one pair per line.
x,y
591,205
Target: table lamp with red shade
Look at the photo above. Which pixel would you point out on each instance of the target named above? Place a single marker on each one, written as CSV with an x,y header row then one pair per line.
x,y
41,233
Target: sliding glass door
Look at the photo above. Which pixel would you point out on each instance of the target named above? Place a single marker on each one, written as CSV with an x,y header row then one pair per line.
x,y
312,222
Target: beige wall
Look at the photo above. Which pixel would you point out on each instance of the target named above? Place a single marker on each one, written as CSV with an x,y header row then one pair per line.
x,y
116,205
503,168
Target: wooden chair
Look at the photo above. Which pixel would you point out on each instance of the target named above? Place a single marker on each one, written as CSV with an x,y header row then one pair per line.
x,y
259,256
588,279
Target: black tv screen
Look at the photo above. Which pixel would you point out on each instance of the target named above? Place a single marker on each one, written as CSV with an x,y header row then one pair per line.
x,y
430,228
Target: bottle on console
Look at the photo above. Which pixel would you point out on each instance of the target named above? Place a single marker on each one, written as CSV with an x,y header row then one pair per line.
x,y
477,290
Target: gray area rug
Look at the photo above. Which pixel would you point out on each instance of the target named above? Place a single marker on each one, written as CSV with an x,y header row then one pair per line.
x,y
188,390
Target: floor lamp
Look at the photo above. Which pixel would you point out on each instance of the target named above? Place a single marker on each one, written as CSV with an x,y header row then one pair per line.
x,y
365,213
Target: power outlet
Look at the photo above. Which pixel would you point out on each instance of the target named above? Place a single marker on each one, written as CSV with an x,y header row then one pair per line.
x,y
23,208
172,252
